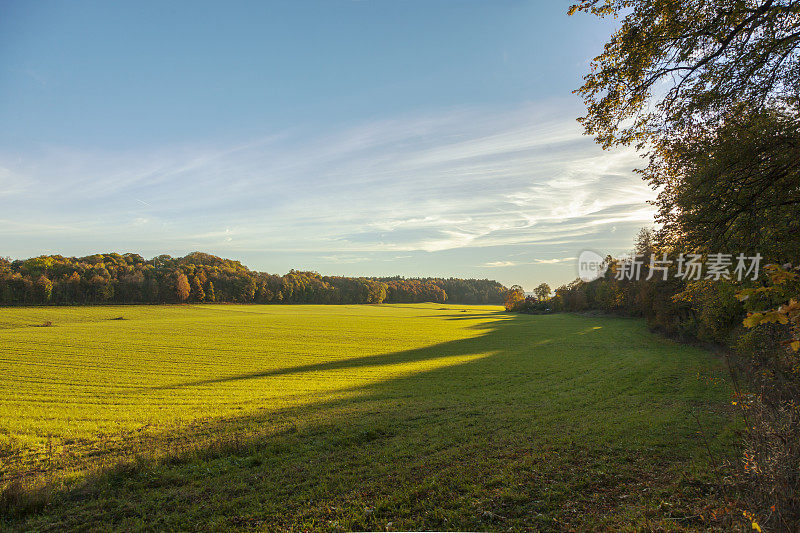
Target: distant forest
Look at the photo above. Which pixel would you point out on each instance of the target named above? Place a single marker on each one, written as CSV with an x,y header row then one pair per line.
x,y
201,277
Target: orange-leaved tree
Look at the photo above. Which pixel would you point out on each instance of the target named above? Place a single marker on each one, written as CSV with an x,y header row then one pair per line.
x,y
515,297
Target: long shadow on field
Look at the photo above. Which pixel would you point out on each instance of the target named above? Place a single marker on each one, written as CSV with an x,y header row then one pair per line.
x,y
447,349
535,436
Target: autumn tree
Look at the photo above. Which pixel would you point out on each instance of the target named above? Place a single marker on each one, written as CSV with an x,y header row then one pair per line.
x,y
182,287
515,296
210,291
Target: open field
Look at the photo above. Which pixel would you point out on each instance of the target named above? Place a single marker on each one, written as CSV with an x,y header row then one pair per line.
x,y
423,416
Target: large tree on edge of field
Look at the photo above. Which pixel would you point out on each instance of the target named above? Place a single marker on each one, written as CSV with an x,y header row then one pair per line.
x,y
710,90
735,188
676,63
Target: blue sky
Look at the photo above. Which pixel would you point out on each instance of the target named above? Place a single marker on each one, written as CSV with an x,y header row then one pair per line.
x,y
369,137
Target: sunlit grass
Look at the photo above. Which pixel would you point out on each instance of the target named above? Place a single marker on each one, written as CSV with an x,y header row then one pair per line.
x,y
88,373
459,405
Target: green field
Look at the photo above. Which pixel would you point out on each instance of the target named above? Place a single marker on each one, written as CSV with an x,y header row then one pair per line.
x,y
337,418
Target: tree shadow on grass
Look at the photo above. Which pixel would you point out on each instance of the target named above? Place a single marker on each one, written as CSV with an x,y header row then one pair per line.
x,y
427,353
530,436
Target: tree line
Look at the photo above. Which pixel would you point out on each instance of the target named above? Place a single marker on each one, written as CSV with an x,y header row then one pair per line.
x,y
200,277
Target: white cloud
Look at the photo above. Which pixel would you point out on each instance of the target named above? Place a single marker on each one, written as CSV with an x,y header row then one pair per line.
x,y
552,261
496,264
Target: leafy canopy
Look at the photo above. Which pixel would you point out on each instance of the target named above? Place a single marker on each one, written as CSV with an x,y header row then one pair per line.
x,y
674,63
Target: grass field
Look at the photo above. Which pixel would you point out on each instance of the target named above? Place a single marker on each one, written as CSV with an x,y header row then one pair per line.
x,y
351,417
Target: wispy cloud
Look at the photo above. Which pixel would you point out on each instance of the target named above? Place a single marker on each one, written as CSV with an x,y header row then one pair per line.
x,y
497,264
344,259
463,179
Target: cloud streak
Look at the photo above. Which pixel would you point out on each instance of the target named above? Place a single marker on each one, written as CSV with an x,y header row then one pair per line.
x,y
457,180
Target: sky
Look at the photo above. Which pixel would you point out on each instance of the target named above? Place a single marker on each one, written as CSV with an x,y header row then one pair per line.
x,y
371,137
